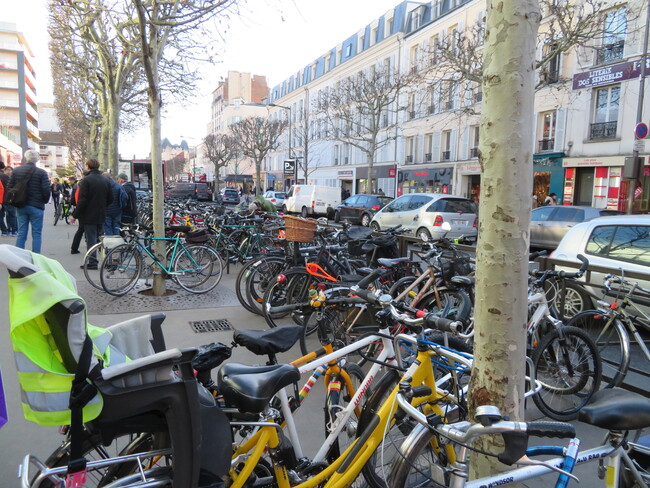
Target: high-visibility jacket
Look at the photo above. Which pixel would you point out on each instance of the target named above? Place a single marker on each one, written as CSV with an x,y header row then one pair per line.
x,y
44,380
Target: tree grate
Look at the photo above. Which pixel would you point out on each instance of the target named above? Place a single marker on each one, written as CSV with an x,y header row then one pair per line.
x,y
211,325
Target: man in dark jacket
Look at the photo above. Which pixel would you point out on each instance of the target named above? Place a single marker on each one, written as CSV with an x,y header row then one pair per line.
x,y
38,194
4,179
114,210
94,196
129,213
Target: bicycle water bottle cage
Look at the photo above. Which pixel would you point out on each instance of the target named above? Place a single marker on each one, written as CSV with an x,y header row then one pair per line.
x,y
317,271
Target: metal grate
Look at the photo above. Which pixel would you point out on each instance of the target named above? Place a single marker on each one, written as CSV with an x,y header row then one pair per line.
x,y
211,325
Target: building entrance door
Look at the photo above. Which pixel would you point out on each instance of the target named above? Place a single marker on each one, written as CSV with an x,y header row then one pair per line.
x,y
584,190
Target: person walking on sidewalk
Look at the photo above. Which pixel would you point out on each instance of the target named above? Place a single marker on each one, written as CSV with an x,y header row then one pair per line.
x,y
130,213
4,179
38,194
94,196
9,210
113,218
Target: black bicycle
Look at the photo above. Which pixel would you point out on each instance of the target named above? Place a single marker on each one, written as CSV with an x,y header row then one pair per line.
x,y
63,211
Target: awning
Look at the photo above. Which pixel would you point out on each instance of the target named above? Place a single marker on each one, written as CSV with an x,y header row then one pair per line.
x,y
239,178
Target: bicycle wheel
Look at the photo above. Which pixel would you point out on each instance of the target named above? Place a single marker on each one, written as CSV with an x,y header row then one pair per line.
x,y
568,366
422,462
197,269
241,283
257,280
612,340
97,254
294,289
337,399
57,213
449,303
121,269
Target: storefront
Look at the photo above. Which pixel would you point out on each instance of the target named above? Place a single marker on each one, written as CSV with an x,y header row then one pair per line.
x,y
596,182
418,179
467,180
548,176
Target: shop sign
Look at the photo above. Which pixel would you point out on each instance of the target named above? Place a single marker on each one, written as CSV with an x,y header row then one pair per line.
x,y
392,172
608,74
344,173
474,168
599,161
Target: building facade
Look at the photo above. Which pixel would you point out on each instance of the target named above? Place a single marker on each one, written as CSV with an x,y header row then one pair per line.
x,y
18,101
585,109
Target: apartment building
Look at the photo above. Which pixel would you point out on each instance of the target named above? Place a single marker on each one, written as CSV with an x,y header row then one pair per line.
x,y
18,101
237,97
585,108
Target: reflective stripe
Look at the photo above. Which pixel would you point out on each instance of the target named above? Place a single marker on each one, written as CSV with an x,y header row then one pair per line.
x,y
50,402
26,365
45,381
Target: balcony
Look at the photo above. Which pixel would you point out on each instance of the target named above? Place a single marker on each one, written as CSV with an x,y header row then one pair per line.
x,y
409,159
602,130
610,53
446,155
427,157
473,152
449,104
547,144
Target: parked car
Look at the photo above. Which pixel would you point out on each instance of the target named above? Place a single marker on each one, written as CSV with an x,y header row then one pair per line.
x,y
617,242
312,200
197,191
549,224
422,214
277,198
230,195
360,209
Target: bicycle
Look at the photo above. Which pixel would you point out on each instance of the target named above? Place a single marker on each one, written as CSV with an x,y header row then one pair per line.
x,y
436,453
196,268
611,326
63,211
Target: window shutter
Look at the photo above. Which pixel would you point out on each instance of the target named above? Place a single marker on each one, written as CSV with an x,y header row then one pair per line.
x,y
453,144
419,151
435,147
633,42
535,117
464,144
468,94
560,125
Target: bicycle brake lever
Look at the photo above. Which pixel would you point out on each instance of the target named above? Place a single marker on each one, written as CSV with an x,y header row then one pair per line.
x,y
526,461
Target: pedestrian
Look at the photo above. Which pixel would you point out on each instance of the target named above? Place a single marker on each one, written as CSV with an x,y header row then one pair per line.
x,y
113,219
550,199
56,191
94,196
380,192
78,235
130,213
38,194
535,202
4,179
10,210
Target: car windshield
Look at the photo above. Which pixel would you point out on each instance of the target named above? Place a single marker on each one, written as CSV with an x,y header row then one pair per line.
x,y
383,201
280,195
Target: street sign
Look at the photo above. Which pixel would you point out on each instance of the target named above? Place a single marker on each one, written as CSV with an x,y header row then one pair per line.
x,y
639,145
289,167
641,131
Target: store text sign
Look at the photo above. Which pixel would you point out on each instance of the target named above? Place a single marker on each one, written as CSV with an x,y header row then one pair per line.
x,y
608,74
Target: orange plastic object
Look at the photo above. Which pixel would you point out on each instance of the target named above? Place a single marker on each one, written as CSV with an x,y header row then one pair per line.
x,y
315,270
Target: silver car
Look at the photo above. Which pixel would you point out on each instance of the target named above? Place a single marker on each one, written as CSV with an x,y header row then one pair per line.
x,y
549,224
422,215
277,198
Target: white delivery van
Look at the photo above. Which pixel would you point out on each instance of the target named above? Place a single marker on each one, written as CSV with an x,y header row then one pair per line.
x,y
312,200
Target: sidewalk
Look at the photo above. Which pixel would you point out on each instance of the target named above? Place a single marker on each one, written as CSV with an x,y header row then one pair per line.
x,y
19,437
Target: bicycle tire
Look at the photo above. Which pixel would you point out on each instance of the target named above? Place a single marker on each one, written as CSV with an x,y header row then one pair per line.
x,y
241,283
197,269
292,290
121,269
99,252
419,465
450,303
612,340
337,400
568,365
57,213
260,278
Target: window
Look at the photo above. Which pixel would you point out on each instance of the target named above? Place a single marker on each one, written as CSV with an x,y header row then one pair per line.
x,y
452,205
398,205
375,35
605,112
361,41
477,92
415,18
418,201
450,93
547,143
474,135
446,141
411,106
550,73
410,149
453,38
428,147
614,30
389,27
568,214
348,50
414,59
625,243
431,99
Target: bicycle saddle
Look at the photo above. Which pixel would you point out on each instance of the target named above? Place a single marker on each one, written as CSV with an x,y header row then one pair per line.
x,y
388,262
272,341
462,280
617,409
178,228
250,388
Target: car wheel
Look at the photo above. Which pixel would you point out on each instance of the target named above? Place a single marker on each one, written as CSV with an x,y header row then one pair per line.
x,y
375,226
304,213
575,301
365,220
337,217
424,234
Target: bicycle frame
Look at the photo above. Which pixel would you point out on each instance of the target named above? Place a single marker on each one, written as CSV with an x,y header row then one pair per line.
x,y
178,245
628,319
347,467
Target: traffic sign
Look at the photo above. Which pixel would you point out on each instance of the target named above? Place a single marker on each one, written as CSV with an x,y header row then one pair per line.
x,y
289,167
641,131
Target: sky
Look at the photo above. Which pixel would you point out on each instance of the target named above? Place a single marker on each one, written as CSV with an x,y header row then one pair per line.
x,y
272,38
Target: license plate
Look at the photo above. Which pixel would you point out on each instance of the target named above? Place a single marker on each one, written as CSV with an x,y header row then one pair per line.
x,y
462,223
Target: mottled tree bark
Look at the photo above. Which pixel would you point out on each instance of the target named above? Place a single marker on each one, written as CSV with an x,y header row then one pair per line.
x,y
506,148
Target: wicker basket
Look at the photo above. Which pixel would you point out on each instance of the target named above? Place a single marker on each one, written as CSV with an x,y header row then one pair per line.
x,y
299,230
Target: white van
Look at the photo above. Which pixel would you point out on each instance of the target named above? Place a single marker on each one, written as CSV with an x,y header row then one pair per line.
x,y
312,200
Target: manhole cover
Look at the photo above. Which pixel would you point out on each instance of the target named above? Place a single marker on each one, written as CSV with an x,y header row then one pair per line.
x,y
211,325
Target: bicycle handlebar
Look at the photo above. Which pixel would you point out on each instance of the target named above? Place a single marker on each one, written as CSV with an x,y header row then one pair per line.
x,y
375,274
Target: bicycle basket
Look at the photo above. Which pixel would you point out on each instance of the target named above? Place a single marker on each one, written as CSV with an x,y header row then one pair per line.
x,y
299,230
198,236
454,264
